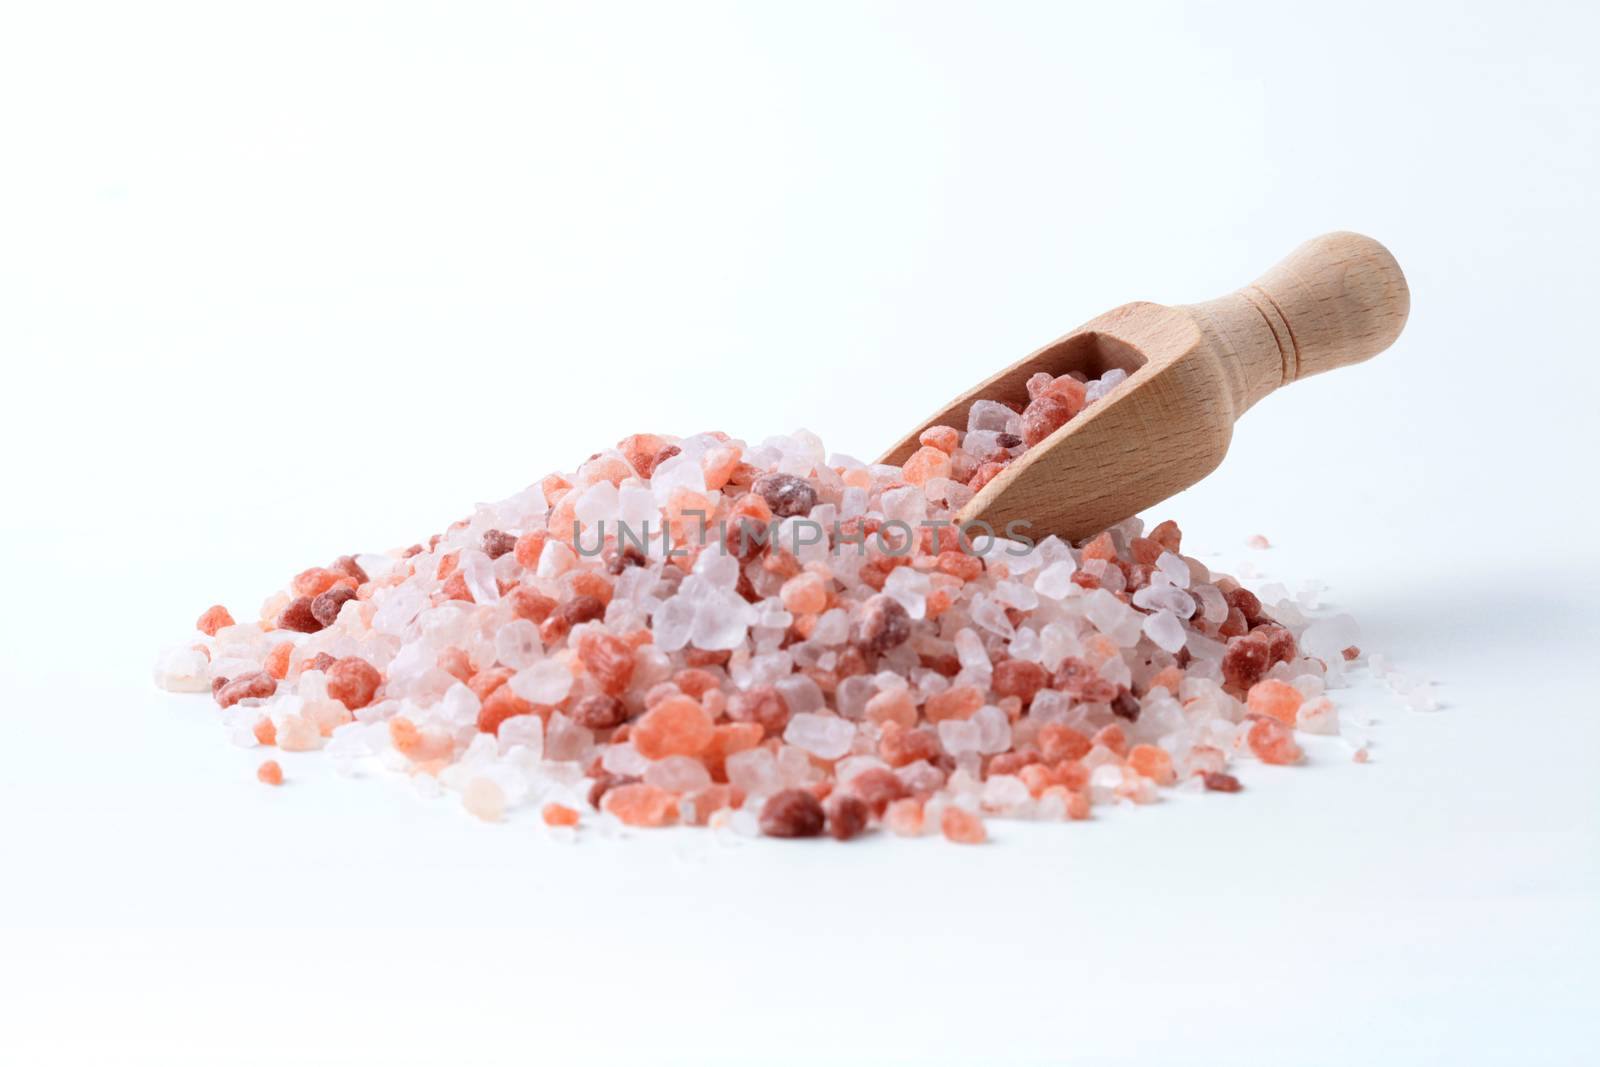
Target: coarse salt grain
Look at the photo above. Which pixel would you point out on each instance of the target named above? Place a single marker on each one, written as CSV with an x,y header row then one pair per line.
x,y
735,683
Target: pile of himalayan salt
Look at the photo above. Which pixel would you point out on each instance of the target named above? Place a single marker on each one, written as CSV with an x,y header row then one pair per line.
x,y
771,640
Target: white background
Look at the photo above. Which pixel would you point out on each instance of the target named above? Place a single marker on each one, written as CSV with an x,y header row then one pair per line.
x,y
279,282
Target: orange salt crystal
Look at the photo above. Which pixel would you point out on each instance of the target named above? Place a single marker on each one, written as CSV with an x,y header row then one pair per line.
x,y
1278,699
404,736
694,682
1037,777
555,814
1272,742
608,660
1361,755
265,732
1154,763
213,619
959,564
611,469
939,602
804,594
1078,805
528,549
353,682
316,580
962,827
1101,547
927,462
587,583
1071,392
1114,738
677,726
892,705
718,466
502,704
697,808
532,605
958,703
727,739
640,451
454,662
638,804
903,817
554,487
1060,742
986,474
1168,678
944,438
270,773
277,661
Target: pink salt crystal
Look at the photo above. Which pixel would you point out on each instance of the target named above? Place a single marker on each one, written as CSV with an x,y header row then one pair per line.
x,y
1258,541
1318,716
904,817
298,734
484,799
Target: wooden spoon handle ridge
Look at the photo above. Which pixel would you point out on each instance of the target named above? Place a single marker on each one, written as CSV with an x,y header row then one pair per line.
x,y
1338,299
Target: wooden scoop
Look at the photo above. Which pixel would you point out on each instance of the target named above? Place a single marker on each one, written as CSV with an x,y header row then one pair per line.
x,y
1337,299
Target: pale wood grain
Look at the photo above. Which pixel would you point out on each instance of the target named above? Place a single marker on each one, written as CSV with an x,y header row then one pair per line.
x,y
1337,299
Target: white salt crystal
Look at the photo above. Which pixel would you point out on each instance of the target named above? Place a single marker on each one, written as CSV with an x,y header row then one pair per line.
x,y
800,693
960,735
545,682
988,415
477,570
722,621
183,670
910,587
754,772
1006,794
824,736
522,731
1327,638
1213,605
1016,595
622,759
1165,629
1055,580
970,652
994,729
991,615
833,626
1174,567
1163,597
672,623
678,774
566,740
517,644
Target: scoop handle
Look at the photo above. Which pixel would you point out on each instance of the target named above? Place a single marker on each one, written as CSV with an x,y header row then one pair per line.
x,y
1338,299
